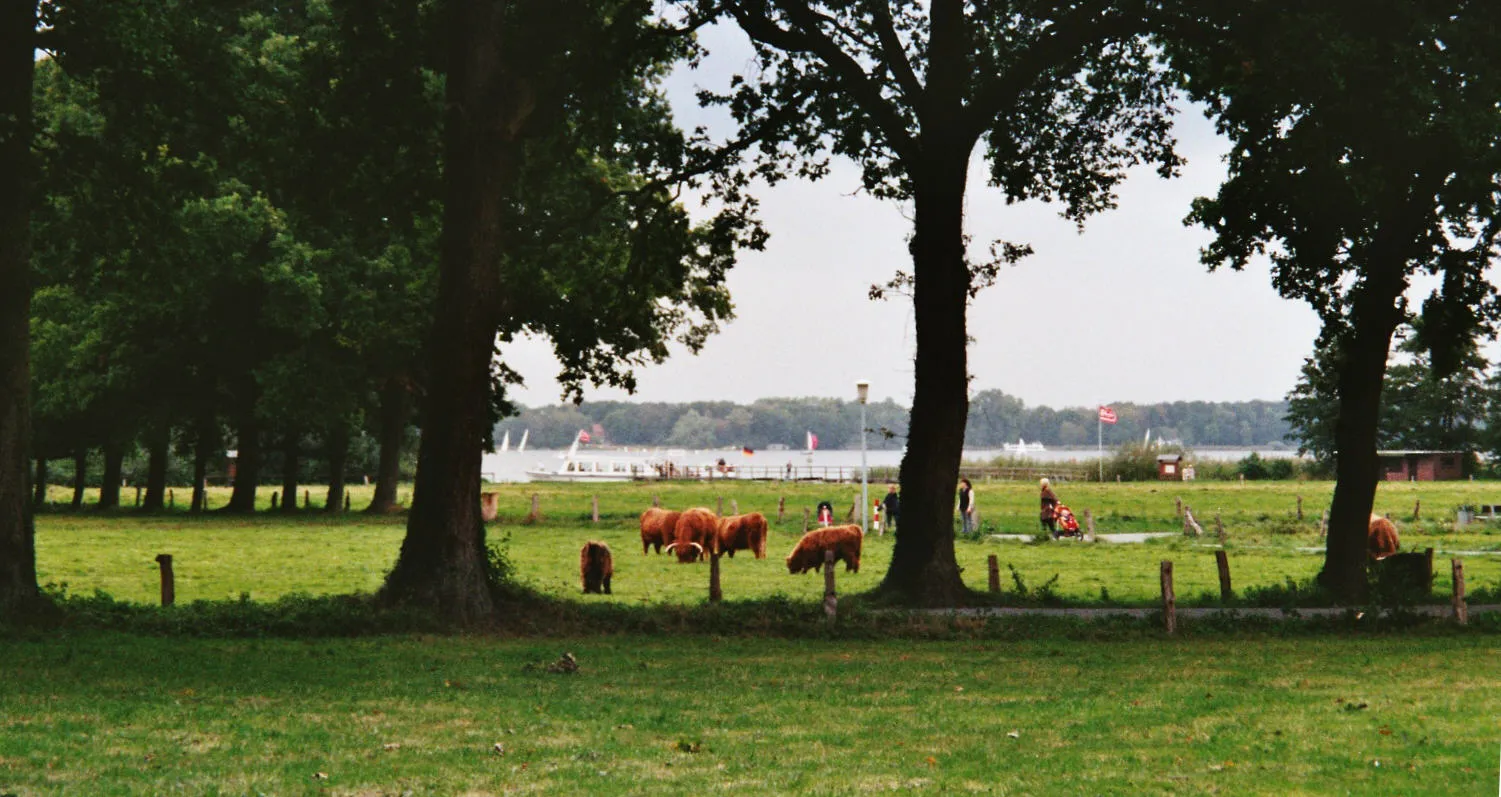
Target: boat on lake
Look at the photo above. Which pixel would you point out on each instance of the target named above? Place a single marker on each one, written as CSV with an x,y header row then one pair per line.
x,y
594,467
1021,446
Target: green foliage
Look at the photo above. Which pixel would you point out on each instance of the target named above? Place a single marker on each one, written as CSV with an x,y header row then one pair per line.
x,y
1254,468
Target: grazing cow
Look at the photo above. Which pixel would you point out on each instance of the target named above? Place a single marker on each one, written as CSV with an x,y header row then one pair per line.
x,y
844,541
742,533
1381,540
596,566
695,533
658,528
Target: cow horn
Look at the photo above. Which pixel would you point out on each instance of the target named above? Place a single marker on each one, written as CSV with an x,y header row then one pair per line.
x,y
669,548
696,545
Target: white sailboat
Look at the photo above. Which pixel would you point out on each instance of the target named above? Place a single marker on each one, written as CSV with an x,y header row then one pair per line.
x,y
505,442
522,447
1021,446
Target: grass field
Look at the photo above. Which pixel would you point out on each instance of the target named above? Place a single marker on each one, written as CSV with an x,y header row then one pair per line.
x,y
106,714
270,555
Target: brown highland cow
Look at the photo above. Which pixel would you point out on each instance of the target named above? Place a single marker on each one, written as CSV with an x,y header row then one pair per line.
x,y
658,528
695,533
844,541
596,566
1381,540
742,533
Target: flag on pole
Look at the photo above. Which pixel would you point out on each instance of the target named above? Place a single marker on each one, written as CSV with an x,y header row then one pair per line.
x,y
1107,415
747,450
583,436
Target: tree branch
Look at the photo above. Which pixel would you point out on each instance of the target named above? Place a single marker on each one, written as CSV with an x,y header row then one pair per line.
x,y
893,54
809,38
1065,42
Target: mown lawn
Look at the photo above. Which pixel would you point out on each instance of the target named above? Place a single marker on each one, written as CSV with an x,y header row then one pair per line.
x,y
271,555
106,714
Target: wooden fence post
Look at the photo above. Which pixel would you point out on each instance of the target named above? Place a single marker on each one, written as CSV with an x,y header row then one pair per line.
x,y
1300,508
830,597
169,589
1178,506
307,499
595,507
994,565
1222,562
781,507
1089,523
1417,505
346,502
805,520
1461,611
1324,524
536,509
715,593
720,510
1169,601
1191,527
734,506
138,495
171,499
1219,528
655,501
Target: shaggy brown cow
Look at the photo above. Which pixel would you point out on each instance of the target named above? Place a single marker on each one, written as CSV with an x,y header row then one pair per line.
x,y
695,533
742,533
658,528
844,541
1381,540
596,566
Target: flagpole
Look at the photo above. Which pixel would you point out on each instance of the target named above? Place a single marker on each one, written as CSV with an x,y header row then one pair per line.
x,y
1099,422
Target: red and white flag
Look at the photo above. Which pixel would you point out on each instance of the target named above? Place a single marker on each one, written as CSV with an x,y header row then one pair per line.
x,y
1107,415
584,436
812,441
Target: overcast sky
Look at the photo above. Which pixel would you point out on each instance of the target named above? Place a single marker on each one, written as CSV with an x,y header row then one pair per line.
x,y
1123,312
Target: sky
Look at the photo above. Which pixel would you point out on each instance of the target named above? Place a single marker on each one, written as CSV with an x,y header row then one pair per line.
x,y
1122,312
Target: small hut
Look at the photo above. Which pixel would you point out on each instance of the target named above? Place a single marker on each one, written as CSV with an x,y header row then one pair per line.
x,y
1422,466
1170,467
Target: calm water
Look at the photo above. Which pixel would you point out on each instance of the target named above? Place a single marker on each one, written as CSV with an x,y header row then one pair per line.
x,y
512,466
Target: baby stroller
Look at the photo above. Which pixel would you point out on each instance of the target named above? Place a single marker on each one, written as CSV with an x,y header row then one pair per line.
x,y
1066,525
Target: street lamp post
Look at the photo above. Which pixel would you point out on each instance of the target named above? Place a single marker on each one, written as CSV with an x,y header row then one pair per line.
x,y
862,388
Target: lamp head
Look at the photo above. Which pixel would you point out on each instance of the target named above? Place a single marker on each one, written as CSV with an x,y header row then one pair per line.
x,y
862,388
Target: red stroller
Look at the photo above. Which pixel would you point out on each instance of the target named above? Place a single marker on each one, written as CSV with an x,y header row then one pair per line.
x,y
1066,524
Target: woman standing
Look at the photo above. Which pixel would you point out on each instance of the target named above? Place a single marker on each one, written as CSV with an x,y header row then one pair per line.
x,y
1049,513
967,507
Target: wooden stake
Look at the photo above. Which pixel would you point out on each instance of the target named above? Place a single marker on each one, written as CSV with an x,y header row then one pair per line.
x,y
734,506
830,597
346,502
536,508
1219,528
1417,505
1324,524
169,588
171,499
655,501
275,499
715,593
1178,505
1222,561
1169,601
595,510
307,499
994,564
1191,527
1300,507
1461,611
1089,523
781,508
720,510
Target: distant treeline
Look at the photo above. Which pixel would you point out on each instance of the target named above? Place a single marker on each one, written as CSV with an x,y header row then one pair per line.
x,y
994,418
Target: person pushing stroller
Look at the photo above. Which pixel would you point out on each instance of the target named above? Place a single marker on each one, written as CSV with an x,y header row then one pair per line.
x,y
1057,519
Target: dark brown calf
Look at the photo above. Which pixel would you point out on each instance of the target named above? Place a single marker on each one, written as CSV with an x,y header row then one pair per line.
x,y
596,566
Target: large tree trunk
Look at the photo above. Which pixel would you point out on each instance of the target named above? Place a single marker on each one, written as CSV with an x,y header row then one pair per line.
x,y
442,565
291,460
395,408
39,485
1374,316
248,463
80,476
336,441
109,488
923,569
158,446
18,587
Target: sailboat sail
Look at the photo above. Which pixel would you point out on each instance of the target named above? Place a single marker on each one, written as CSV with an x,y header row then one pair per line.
x,y
505,442
522,447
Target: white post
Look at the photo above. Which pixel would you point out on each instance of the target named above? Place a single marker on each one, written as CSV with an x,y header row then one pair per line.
x,y
862,387
1100,443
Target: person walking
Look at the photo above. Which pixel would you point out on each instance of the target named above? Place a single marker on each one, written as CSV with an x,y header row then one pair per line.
x,y
893,504
967,506
1049,511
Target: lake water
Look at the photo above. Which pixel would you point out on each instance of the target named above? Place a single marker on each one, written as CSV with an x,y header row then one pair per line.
x,y
511,466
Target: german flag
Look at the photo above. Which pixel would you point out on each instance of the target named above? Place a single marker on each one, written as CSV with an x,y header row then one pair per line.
x,y
747,450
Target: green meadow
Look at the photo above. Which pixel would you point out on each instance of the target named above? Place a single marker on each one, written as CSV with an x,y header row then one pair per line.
x,y
759,695
271,555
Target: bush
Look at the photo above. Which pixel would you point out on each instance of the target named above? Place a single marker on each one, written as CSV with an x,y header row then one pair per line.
x,y
1134,462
